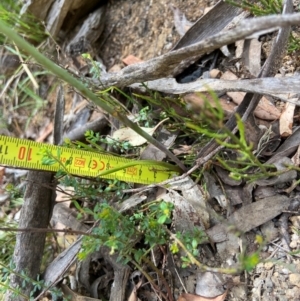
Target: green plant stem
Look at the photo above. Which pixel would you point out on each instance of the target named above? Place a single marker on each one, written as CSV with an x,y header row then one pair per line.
x,y
201,266
65,76
10,288
34,282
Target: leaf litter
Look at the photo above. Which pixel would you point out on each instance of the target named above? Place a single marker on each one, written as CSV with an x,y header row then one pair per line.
x,y
193,207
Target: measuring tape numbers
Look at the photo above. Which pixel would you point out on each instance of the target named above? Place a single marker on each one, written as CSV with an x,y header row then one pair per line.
x,y
27,154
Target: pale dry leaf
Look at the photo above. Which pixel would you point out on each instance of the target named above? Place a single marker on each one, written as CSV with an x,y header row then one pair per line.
x,y
192,297
185,216
215,73
66,240
183,149
151,152
115,68
296,158
128,134
286,120
266,110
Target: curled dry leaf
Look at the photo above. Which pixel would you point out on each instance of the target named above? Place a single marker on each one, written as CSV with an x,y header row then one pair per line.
x,y
192,297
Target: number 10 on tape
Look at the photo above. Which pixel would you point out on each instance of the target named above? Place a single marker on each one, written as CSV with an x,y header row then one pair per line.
x,y
28,154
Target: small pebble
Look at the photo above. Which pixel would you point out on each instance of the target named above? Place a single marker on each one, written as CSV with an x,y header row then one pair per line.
x,y
295,221
257,282
260,267
293,294
269,265
285,271
295,279
295,237
293,244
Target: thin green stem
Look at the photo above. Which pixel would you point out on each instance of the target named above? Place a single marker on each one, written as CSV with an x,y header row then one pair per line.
x,y
81,88
201,266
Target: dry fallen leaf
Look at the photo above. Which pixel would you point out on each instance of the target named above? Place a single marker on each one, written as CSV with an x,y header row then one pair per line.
x,y
127,134
215,73
286,120
131,59
196,102
183,149
192,297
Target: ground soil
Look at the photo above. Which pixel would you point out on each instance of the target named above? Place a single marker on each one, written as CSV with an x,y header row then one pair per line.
x,y
144,28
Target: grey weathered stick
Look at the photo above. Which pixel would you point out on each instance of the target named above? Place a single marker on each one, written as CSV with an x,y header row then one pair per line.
x,y
250,216
278,87
36,212
29,247
78,133
165,65
270,68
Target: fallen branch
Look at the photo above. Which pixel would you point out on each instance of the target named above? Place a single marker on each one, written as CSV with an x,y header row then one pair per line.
x,y
277,87
168,64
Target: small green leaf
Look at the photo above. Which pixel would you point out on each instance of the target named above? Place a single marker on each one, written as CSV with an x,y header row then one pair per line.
x,y
162,219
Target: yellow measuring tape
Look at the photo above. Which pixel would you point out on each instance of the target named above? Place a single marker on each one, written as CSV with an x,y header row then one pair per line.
x,y
27,154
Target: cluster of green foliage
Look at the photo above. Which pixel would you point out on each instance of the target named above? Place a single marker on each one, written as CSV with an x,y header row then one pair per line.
x,y
120,232
26,24
264,8
38,284
22,95
259,8
132,235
